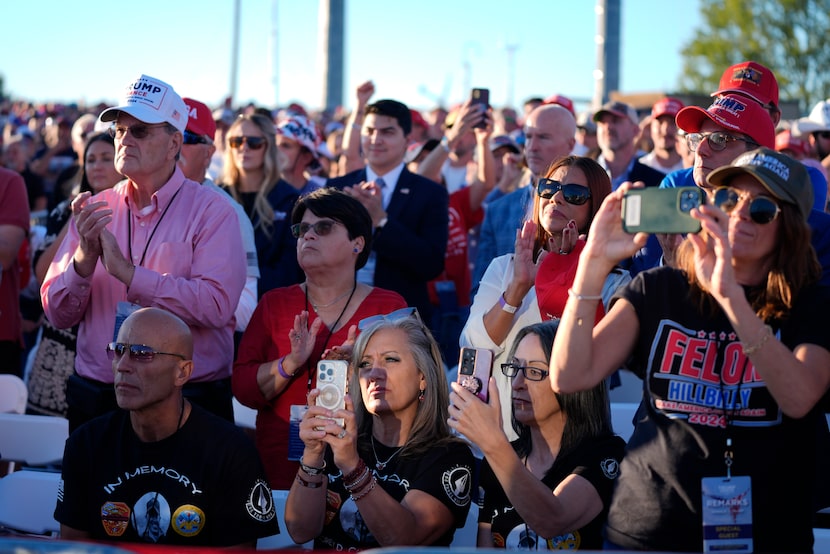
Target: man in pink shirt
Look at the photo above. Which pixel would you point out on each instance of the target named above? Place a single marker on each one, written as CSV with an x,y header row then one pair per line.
x,y
156,239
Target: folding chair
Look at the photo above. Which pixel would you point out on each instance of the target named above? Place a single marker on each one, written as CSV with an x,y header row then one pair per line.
x,y
13,394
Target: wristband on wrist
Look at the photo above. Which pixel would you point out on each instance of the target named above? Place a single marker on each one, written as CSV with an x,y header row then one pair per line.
x,y
311,470
445,144
281,370
508,307
309,484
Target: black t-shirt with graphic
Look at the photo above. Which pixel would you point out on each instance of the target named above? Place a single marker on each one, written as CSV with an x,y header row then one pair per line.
x,y
702,389
444,472
202,486
595,459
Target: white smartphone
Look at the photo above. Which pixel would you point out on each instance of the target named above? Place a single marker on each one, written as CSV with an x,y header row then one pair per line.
x,y
331,381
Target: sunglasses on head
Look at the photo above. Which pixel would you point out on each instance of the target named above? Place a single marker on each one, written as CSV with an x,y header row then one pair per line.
x,y
193,138
397,315
762,210
717,141
320,228
573,194
138,131
138,352
254,143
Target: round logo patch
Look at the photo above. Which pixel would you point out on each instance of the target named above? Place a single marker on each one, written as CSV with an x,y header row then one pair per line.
x,y
610,467
260,503
188,520
458,483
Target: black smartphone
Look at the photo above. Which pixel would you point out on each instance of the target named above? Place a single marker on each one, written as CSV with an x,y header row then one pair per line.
x,y
655,210
474,368
481,96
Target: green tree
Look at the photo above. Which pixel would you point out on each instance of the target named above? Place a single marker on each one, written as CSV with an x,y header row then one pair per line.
x,y
788,36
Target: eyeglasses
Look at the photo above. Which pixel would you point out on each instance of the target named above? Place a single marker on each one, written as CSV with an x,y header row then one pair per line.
x,y
397,315
717,141
254,143
138,352
762,210
321,228
531,373
823,134
139,131
574,194
193,138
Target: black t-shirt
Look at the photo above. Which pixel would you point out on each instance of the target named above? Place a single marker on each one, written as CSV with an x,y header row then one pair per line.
x,y
444,472
689,362
202,486
595,459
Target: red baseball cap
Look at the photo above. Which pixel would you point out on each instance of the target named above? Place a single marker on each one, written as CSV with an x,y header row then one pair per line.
x,y
200,119
786,141
733,112
752,79
666,106
418,119
563,101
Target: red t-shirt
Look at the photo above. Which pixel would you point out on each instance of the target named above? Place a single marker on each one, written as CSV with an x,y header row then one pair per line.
x,y
14,210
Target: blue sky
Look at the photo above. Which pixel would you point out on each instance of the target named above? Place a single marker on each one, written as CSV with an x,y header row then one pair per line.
x,y
415,51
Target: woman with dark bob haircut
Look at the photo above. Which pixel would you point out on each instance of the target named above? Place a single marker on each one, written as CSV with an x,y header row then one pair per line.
x,y
552,489
293,326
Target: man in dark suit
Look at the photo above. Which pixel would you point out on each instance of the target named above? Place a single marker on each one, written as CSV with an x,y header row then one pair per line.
x,y
410,213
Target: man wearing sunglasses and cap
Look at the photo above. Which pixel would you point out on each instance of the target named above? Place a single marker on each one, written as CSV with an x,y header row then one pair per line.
x,y
139,474
155,239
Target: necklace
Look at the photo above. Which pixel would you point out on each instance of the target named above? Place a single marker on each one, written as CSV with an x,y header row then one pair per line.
x,y
318,307
381,465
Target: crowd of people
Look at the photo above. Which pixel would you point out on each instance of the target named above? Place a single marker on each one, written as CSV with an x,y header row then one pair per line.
x,y
161,258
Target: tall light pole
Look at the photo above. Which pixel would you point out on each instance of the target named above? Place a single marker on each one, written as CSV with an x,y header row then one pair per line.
x,y
234,51
607,71
331,33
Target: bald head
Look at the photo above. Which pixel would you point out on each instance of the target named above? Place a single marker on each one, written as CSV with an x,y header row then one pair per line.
x,y
549,135
158,328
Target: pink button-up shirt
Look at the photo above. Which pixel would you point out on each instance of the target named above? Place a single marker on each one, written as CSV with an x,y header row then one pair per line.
x,y
194,267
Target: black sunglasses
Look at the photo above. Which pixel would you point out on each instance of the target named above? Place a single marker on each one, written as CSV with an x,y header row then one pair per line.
x,y
531,373
138,131
574,194
193,138
823,134
762,210
138,352
254,143
717,140
321,228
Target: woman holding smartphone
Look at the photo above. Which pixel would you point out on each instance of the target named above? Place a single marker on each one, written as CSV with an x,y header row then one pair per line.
x,y
549,489
292,327
394,475
734,353
563,207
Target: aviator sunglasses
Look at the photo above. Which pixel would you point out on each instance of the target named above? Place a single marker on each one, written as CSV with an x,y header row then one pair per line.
x,y
762,210
138,131
574,194
138,352
397,315
321,228
717,141
254,143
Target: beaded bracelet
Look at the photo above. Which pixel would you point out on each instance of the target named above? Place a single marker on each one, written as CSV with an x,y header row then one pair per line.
x,y
357,483
309,484
572,293
367,490
766,333
312,470
356,472
281,370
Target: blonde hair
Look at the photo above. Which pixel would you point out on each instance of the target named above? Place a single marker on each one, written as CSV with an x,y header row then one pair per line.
x,y
230,173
